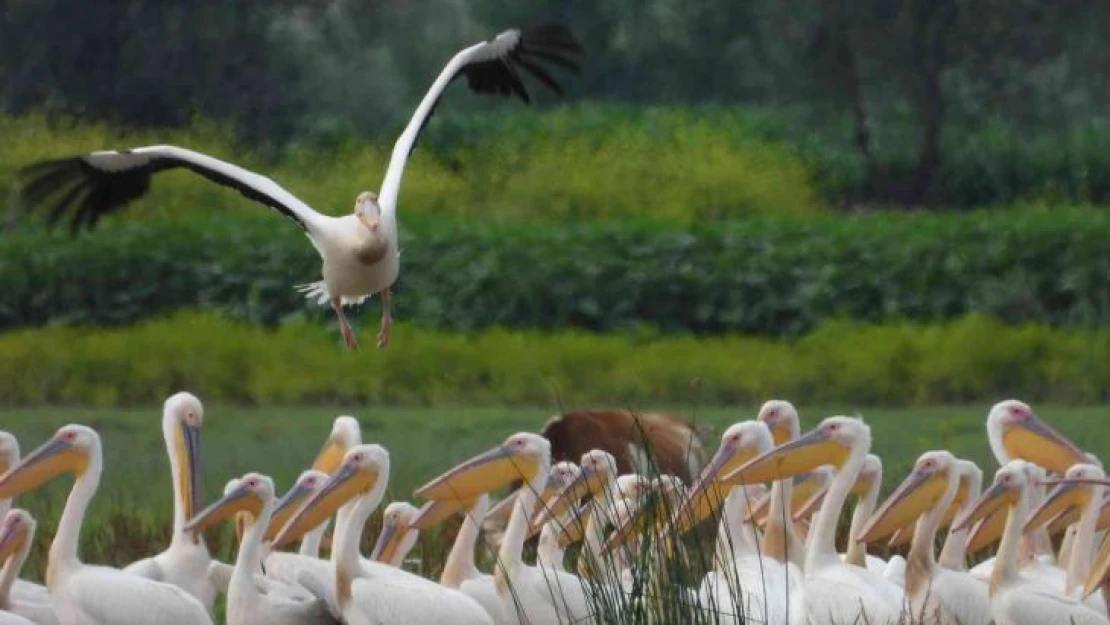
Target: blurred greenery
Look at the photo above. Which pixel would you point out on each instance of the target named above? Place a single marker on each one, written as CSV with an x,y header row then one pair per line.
x,y
894,364
778,277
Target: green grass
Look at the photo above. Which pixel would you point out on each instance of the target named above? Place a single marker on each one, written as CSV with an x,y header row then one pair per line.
x,y
130,516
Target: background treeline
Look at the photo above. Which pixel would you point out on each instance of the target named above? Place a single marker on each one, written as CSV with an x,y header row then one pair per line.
x,y
892,103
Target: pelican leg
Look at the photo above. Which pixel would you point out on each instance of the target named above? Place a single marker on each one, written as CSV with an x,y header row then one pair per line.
x,y
344,326
387,321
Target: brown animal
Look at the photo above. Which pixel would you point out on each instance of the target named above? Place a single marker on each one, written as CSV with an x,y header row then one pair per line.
x,y
645,443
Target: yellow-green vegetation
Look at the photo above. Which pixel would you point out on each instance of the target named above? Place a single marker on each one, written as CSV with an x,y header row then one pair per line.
x,y
130,517
688,172
896,363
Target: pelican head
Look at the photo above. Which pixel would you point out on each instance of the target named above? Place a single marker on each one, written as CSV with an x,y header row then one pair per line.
x,y
364,468
374,242
1072,493
9,451
1009,485
1015,431
740,443
520,456
72,449
182,417
308,484
598,468
396,537
243,499
345,434
831,443
16,532
240,517
928,483
638,515
782,418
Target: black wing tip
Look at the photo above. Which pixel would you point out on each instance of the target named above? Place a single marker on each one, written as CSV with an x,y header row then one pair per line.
x,y
548,42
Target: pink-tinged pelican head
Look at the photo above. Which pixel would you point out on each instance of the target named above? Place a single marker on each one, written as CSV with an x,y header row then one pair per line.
x,y
830,443
740,443
397,536
1005,492
71,450
364,467
308,484
782,419
374,241
520,457
243,499
924,489
1015,431
345,434
182,418
1073,492
16,533
598,470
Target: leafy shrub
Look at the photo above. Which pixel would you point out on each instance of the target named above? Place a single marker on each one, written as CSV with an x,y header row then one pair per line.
x,y
775,277
968,359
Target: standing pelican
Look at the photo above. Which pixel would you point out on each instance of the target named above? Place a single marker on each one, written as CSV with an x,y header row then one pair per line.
x,y
1015,598
360,251
253,497
936,595
85,594
529,594
397,538
185,562
833,589
364,590
16,535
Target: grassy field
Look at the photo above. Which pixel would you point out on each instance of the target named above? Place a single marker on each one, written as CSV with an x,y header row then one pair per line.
x,y
130,516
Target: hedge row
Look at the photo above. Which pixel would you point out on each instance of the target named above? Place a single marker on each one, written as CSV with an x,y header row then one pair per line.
x,y
965,360
773,277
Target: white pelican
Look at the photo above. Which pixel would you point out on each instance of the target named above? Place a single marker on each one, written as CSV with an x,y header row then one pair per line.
x,y
833,589
549,551
364,590
22,590
185,562
954,554
1015,431
253,497
539,596
1015,598
936,595
396,538
85,594
16,535
359,251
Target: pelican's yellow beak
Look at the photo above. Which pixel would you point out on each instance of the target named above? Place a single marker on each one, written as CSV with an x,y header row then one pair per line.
x,y
634,524
901,537
1067,496
187,444
573,530
588,483
1034,440
997,498
806,496
802,454
811,505
285,508
1064,519
389,541
12,539
330,456
987,531
52,458
1104,517
709,491
240,500
503,509
482,474
916,495
348,482
780,431
433,513
1100,569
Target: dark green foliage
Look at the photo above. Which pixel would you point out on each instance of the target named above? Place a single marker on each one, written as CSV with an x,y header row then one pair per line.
x,y
774,277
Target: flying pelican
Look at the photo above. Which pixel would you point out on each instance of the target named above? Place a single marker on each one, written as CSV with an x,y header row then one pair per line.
x,y
16,536
253,497
936,595
85,594
833,589
530,594
1015,598
359,251
22,590
396,538
367,591
185,562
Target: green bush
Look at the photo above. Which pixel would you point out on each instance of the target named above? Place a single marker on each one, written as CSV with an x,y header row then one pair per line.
x,y
775,277
967,359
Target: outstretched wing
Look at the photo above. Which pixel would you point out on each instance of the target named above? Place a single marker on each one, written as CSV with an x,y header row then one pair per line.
x,y
88,186
492,67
